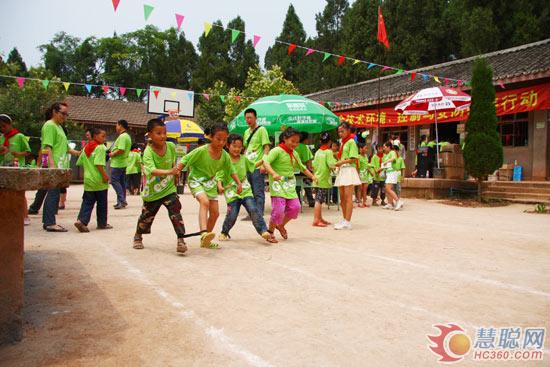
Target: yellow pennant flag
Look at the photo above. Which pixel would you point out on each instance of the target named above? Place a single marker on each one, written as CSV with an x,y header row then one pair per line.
x,y
173,94
66,85
207,28
437,79
356,62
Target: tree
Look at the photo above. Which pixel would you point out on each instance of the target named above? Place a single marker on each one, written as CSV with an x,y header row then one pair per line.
x,y
483,148
258,84
242,54
211,112
213,62
15,59
478,33
293,31
27,105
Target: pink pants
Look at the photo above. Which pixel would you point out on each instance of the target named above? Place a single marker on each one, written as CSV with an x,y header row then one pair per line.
x,y
282,208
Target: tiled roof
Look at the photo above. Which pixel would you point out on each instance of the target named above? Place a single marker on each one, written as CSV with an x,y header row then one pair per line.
x,y
525,62
99,110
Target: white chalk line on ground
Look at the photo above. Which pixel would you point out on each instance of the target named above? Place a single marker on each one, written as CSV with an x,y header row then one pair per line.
x,y
495,283
215,333
349,288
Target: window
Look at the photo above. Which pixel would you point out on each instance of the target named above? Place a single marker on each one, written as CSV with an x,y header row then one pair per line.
x,y
514,130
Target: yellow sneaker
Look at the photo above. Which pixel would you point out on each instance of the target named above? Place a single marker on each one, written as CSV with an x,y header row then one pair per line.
x,y
206,239
223,237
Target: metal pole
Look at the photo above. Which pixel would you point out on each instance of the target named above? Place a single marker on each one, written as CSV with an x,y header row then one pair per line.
x,y
436,139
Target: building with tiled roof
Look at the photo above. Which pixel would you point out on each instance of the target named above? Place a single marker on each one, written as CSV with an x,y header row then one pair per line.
x,y
104,113
522,82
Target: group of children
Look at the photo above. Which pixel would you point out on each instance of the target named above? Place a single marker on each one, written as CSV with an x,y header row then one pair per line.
x,y
220,167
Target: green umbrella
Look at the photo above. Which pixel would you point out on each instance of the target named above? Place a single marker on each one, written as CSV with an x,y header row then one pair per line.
x,y
298,112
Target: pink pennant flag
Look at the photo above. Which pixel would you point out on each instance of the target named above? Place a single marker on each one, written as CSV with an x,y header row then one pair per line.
x,y
446,82
115,4
501,84
122,91
20,81
105,88
256,40
385,68
460,82
291,48
309,51
206,96
179,20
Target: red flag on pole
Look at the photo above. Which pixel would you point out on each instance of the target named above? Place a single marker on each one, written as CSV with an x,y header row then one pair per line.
x,y
382,35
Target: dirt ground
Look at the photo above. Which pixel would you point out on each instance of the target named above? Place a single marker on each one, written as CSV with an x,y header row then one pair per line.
x,y
322,298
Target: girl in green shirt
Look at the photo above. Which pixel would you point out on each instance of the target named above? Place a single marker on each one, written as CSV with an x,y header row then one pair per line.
x,y
281,163
206,164
348,177
159,165
323,165
365,174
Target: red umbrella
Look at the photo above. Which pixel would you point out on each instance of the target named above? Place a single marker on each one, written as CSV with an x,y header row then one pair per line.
x,y
435,99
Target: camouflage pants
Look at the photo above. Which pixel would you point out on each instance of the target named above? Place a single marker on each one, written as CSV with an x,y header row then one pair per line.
x,y
151,208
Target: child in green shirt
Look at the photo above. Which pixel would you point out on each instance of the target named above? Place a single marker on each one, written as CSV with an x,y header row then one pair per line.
x,y
281,163
96,182
159,165
242,166
400,167
323,165
366,174
207,164
133,170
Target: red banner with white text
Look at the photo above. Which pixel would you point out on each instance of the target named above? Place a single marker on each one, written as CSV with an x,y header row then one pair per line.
x,y
507,102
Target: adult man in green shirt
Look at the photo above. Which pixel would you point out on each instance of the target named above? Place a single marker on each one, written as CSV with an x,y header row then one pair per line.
x,y
256,143
119,162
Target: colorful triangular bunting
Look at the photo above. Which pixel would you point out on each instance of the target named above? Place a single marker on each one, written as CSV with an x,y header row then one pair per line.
x,y
147,10
88,88
309,51
341,59
115,4
66,85
139,91
122,91
291,48
179,20
45,83
327,55
207,28
20,81
234,34
256,40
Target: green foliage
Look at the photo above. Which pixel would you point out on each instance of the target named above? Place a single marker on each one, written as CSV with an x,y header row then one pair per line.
x,y
16,60
483,149
540,208
293,31
258,84
27,106
210,113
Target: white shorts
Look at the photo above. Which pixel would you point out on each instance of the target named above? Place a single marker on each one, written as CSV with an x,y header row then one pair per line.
x,y
392,177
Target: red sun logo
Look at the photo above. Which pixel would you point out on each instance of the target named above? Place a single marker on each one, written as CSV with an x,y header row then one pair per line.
x,y
451,344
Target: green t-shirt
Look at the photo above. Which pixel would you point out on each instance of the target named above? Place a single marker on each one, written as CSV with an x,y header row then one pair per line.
x,y
54,137
157,187
350,150
365,169
387,157
123,142
399,165
241,168
134,163
18,143
93,180
255,149
304,153
280,162
205,171
376,163
322,164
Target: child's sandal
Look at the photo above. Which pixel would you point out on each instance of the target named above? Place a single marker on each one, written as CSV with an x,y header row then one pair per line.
x,y
206,240
181,247
282,231
269,237
138,244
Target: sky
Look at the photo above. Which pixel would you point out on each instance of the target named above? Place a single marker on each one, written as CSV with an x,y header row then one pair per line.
x,y
26,24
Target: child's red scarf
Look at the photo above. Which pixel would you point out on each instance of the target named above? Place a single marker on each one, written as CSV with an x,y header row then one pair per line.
x,y
90,147
7,136
324,147
284,147
344,141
